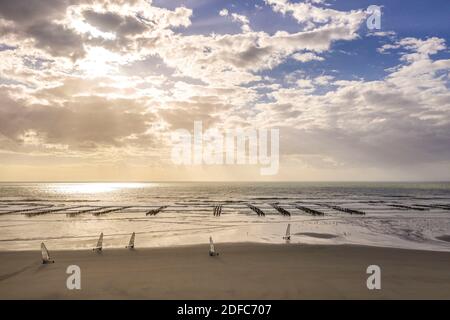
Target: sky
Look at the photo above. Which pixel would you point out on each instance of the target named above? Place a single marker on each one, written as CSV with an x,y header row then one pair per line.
x,y
93,90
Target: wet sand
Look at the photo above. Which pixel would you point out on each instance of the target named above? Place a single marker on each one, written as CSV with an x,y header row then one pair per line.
x,y
317,235
241,271
444,238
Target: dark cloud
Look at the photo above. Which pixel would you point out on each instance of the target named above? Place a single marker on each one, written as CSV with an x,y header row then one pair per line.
x,y
113,22
57,39
182,114
252,56
34,19
27,12
85,121
106,21
398,140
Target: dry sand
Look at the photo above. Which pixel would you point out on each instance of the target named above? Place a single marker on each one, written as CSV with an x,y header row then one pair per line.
x,y
242,271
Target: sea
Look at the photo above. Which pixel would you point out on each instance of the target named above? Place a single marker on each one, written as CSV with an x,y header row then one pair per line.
x,y
71,216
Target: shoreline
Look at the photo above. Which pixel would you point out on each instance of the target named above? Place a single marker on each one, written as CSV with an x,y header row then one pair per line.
x,y
321,236
241,271
225,243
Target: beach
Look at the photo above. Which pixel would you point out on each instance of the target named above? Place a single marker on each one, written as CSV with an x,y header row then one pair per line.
x,y
241,271
336,232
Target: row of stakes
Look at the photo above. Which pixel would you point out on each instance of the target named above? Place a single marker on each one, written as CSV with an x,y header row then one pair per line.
x,y
99,247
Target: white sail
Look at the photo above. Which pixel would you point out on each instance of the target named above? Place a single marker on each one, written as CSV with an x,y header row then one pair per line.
x,y
99,243
288,233
212,249
45,254
131,243
211,245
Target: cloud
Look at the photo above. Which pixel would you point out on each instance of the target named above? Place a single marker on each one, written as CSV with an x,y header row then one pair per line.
x,y
237,57
223,13
205,57
401,120
66,28
137,29
35,19
307,56
28,12
312,16
115,77
243,20
389,34
109,21
57,40
81,122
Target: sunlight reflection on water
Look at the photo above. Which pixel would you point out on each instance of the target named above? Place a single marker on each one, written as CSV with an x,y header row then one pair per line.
x,y
72,188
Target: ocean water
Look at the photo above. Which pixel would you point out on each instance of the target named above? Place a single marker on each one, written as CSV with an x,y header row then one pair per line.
x,y
72,215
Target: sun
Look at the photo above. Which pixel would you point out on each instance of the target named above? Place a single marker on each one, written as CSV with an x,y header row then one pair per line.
x,y
100,62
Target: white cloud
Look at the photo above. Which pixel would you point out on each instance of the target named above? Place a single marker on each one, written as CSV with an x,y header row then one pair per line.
x,y
323,80
312,16
307,56
223,12
243,20
389,34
